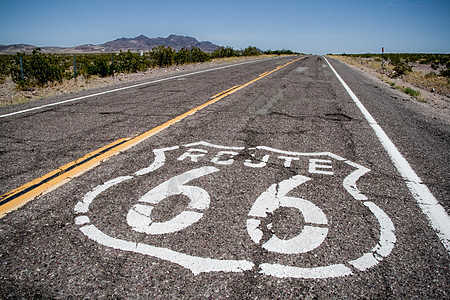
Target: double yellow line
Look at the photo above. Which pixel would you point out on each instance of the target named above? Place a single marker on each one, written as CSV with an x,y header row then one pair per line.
x,y
18,197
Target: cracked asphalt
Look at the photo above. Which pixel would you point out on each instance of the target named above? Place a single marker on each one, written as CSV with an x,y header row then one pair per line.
x,y
294,195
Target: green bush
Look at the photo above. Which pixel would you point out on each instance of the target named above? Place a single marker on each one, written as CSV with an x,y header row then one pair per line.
x,y
38,69
279,52
183,56
251,51
4,67
162,56
445,73
224,52
400,66
198,55
131,62
100,66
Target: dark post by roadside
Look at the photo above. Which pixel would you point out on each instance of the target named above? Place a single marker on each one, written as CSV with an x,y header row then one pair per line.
x,y
74,67
21,68
382,60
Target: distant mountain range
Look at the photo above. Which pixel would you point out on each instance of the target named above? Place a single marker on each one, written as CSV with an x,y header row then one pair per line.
x,y
123,44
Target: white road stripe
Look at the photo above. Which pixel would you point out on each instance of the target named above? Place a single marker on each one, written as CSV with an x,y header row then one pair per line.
x,y
436,214
129,87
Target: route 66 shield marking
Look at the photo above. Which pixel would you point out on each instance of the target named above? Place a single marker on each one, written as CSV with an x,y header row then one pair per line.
x,y
205,160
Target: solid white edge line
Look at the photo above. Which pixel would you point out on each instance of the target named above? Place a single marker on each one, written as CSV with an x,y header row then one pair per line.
x,y
132,86
436,214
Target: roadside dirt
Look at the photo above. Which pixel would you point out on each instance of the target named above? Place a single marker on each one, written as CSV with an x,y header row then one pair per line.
x,y
434,90
10,95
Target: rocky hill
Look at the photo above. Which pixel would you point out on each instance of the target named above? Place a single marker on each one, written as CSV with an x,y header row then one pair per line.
x,y
122,44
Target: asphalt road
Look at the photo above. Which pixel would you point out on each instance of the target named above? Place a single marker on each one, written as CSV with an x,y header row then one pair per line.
x,y
280,189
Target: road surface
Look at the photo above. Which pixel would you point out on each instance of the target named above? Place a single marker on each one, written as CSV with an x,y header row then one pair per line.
x,y
291,177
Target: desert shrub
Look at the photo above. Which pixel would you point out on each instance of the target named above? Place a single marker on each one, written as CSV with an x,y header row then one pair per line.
x,y
162,56
280,52
183,56
445,73
100,66
38,69
130,62
198,55
251,51
400,66
5,62
83,61
224,52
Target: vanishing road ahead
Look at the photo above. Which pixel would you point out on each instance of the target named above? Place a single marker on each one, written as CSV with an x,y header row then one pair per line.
x,y
289,177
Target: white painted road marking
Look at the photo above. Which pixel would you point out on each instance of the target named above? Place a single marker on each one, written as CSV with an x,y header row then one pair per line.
x,y
139,215
196,264
436,214
275,197
313,234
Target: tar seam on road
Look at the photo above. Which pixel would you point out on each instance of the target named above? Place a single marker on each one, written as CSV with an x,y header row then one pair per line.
x,y
25,189
18,197
128,87
436,214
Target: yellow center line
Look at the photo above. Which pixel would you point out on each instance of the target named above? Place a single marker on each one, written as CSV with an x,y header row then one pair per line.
x,y
223,92
20,196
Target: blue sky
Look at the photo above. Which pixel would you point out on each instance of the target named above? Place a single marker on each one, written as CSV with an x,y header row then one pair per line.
x,y
310,26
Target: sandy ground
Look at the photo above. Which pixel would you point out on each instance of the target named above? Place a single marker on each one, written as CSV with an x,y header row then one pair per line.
x,y
10,95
